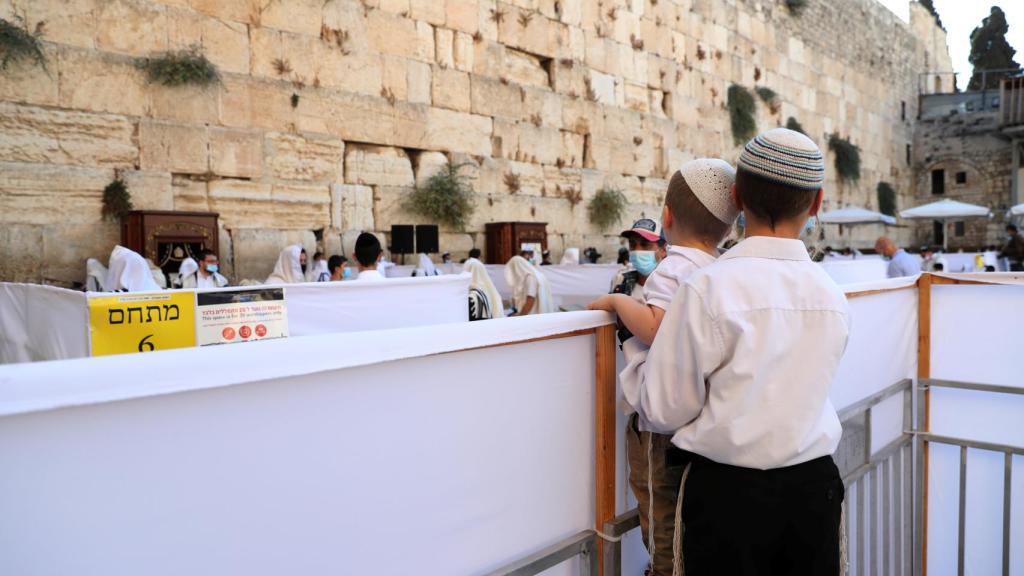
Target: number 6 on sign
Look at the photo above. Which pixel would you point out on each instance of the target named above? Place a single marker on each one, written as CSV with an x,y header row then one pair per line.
x,y
145,346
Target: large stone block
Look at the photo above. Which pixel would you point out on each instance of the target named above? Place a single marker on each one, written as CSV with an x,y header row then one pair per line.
x,y
358,73
66,247
299,16
419,83
256,251
184,104
190,194
377,165
32,134
430,11
100,83
389,208
48,194
427,164
351,207
455,132
462,15
395,77
73,22
236,153
149,190
464,51
20,258
174,148
392,34
294,157
31,84
451,89
492,97
131,27
526,69
444,41
539,35
244,11
226,44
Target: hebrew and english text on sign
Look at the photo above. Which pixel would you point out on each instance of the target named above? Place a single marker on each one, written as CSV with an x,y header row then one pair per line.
x,y
227,316
142,322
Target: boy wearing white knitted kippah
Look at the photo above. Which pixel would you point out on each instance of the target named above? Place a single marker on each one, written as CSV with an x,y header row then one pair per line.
x,y
740,375
699,211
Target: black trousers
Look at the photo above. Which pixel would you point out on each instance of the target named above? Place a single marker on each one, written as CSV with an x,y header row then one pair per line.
x,y
746,522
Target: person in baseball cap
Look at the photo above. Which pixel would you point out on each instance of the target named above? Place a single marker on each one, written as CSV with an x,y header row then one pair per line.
x,y
740,375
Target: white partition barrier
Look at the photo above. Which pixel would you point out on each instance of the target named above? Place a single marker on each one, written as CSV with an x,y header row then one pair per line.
x,y
46,323
976,337
434,450
855,271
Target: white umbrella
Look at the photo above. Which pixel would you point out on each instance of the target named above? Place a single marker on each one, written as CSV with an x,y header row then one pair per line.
x,y
1017,210
854,215
945,210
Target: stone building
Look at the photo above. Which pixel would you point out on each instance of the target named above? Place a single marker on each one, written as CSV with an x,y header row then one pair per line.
x,y
329,112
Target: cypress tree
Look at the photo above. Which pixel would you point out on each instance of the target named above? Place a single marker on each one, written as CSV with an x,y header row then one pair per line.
x,y
991,51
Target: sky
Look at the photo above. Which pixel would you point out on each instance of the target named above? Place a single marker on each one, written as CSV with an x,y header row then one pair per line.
x,y
960,17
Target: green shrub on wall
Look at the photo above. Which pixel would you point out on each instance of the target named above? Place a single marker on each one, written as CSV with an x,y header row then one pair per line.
x,y
741,114
847,157
796,7
606,207
446,198
794,125
180,68
117,201
17,44
886,199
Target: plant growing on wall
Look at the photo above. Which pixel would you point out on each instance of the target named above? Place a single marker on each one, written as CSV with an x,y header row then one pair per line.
x,y
446,198
741,114
794,125
886,199
117,201
606,207
769,97
179,68
847,157
796,7
17,44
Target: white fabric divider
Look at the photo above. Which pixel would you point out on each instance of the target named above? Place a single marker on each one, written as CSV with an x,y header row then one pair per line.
x,y
965,261
976,337
287,456
42,323
326,307
855,271
46,323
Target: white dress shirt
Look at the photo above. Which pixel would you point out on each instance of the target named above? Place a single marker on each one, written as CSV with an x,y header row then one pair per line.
x,y
671,272
741,368
368,275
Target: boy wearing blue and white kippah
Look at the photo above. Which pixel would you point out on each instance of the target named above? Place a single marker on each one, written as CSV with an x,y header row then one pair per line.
x,y
740,376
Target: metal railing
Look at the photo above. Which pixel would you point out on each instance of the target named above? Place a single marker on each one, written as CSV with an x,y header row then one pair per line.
x,y
885,489
1011,102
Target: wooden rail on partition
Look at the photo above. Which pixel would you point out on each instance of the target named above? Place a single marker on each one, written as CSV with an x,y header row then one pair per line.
x,y
604,430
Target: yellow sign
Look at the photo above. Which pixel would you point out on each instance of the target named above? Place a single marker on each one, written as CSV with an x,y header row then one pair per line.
x,y
127,323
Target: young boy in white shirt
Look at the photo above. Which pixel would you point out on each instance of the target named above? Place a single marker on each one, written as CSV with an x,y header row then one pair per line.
x,y
698,213
740,376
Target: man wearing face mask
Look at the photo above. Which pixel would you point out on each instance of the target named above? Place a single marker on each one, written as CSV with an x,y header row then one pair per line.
x,y
644,248
207,276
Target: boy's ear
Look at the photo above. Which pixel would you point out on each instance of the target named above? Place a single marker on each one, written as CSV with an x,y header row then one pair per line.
x,y
666,218
736,197
816,204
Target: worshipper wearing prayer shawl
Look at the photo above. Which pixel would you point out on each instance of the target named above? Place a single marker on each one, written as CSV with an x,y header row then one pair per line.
x,y
426,267
186,268
474,254
318,271
531,293
698,213
484,298
205,274
368,253
128,272
290,267
740,376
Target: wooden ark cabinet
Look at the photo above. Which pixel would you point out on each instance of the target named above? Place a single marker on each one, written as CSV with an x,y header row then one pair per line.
x,y
167,238
504,239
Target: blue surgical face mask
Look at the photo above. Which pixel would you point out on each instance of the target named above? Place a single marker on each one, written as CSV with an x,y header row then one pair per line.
x,y
346,273
212,268
644,261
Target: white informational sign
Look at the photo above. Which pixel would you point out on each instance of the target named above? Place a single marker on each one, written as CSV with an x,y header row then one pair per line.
x,y
224,317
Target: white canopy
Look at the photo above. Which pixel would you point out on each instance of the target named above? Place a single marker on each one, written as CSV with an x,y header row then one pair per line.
x,y
945,209
1017,210
854,215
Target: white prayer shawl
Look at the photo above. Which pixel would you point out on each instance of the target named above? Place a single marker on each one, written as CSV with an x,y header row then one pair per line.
x,y
318,272
426,267
95,274
128,271
287,270
517,272
570,256
187,268
481,281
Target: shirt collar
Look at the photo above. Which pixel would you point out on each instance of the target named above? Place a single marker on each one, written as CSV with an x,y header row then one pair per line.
x,y
768,247
694,255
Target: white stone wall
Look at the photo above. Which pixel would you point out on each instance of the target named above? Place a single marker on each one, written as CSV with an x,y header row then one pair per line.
x,y
570,95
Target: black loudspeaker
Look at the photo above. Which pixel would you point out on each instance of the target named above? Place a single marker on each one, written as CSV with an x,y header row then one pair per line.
x,y
401,239
426,239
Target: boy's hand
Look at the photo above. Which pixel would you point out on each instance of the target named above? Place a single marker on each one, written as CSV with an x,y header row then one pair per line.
x,y
602,303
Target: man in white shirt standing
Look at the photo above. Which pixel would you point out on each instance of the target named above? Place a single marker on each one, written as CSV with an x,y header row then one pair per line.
x,y
207,276
740,376
368,253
